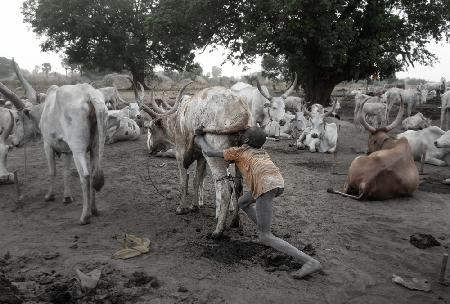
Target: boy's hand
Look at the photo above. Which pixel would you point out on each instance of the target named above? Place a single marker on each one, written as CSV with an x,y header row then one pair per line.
x,y
199,131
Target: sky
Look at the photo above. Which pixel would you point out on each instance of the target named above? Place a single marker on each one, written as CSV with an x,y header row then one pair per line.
x,y
22,44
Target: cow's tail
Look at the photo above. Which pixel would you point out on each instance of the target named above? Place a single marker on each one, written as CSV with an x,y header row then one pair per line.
x,y
101,118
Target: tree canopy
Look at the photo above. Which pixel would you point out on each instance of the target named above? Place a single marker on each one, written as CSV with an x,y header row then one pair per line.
x,y
135,35
329,41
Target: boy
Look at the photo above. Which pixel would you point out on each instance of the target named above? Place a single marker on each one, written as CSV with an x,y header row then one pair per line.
x,y
265,182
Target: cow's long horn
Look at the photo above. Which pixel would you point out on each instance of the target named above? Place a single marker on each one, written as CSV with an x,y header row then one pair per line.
x,y
18,103
332,110
140,101
362,119
291,88
258,85
179,98
398,119
30,93
306,112
156,107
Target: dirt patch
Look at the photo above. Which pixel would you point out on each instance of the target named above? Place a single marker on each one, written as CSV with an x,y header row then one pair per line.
x,y
314,165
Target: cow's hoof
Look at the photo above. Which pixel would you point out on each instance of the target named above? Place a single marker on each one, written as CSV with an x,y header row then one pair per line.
x,y
183,210
67,200
49,197
86,220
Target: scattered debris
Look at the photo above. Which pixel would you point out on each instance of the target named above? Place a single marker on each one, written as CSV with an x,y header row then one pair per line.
x,y
412,283
423,241
182,289
139,278
132,246
88,281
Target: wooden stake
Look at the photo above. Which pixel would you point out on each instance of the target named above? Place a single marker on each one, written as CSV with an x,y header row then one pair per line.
x,y
16,183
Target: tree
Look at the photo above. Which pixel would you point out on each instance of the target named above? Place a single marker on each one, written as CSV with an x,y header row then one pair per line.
x,y
329,41
216,71
275,69
5,67
135,35
46,68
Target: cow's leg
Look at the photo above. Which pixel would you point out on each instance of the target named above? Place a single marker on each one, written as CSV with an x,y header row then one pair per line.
x,y
50,155
198,183
85,179
183,208
93,162
435,161
218,168
5,176
237,194
66,178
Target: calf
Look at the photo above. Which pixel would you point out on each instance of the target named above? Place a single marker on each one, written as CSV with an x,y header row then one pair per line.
x,y
416,122
387,172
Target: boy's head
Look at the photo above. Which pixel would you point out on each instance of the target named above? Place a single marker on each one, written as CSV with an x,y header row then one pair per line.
x,y
255,137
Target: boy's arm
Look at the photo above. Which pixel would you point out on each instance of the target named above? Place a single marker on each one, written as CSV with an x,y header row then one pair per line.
x,y
201,142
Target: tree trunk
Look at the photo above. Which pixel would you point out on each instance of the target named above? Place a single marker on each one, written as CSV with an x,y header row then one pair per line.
x,y
318,92
139,76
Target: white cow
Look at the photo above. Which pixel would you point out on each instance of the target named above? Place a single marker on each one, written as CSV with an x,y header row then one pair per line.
x,y
7,123
424,141
320,136
369,110
72,121
220,112
112,97
121,128
130,111
445,108
411,97
416,122
264,107
444,142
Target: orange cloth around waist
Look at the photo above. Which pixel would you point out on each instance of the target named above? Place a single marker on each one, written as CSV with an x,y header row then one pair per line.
x,y
260,173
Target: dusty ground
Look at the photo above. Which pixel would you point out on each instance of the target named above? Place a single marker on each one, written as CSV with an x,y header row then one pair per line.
x,y
360,244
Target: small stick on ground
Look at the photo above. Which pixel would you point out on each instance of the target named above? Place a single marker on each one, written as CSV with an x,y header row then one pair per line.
x,y
443,268
422,159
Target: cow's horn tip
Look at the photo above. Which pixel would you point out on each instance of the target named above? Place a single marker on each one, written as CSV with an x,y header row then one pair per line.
x,y
330,190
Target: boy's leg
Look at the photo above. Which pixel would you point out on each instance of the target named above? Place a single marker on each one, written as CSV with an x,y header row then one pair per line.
x,y
246,204
264,221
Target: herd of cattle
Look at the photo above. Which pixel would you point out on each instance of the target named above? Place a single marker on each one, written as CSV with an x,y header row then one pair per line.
x,y
74,120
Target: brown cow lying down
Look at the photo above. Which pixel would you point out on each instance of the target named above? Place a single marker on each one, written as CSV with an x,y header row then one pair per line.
x,y
388,172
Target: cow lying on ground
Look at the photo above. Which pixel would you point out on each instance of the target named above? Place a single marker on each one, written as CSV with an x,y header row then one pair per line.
x,y
72,121
121,128
445,109
320,136
387,172
220,112
416,122
113,100
423,141
443,142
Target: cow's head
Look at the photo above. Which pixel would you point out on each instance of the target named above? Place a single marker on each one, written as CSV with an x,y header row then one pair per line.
x,y
317,121
378,136
443,141
274,107
26,126
422,92
161,125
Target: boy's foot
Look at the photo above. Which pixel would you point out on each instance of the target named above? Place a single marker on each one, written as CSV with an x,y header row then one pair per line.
x,y
307,268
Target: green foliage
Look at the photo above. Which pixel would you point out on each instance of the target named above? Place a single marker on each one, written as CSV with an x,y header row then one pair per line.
x,y
6,69
275,69
114,35
216,71
46,68
329,41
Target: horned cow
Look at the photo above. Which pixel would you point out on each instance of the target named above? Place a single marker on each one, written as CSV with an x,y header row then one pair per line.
x,y
387,172
220,112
